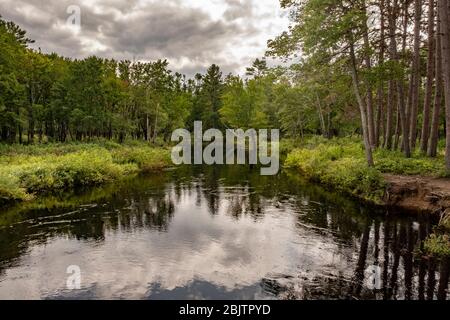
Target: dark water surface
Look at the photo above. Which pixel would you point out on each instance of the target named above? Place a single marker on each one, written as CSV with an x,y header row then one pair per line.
x,y
215,233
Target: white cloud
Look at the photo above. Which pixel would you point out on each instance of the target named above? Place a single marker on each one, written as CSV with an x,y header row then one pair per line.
x,y
191,34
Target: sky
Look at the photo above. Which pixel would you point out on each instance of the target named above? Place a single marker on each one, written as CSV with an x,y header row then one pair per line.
x,y
190,34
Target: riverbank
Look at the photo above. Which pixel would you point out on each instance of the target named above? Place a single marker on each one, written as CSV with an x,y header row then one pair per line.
x,y
419,183
29,171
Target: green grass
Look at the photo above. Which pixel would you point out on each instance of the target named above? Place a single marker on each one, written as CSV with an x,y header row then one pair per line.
x,y
340,163
27,171
335,165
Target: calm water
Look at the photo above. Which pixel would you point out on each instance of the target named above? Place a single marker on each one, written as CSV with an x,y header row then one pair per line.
x,y
214,233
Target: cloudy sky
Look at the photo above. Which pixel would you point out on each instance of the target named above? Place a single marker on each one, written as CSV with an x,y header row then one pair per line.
x,y
191,34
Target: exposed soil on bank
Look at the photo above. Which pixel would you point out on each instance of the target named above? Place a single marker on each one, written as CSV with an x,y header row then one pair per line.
x,y
418,193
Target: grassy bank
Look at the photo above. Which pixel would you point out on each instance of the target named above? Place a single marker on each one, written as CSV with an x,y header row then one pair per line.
x,y
27,171
340,163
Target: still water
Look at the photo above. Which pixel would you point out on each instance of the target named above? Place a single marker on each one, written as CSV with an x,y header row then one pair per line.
x,y
215,233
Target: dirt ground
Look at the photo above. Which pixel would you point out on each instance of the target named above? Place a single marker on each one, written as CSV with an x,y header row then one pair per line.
x,y
418,193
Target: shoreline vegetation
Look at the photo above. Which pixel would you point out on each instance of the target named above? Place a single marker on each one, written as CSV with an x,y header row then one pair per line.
x,y
26,171
339,163
385,80
29,171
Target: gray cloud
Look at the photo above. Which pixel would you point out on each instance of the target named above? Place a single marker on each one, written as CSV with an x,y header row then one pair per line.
x,y
238,9
187,35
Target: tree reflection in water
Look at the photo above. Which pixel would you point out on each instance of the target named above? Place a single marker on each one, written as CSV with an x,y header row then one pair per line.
x,y
329,241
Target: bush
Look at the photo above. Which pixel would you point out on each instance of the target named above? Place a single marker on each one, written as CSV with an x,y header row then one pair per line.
x,y
29,170
335,165
395,162
145,158
340,162
10,189
438,245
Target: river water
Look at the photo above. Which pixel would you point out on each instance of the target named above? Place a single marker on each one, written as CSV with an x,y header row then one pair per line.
x,y
214,233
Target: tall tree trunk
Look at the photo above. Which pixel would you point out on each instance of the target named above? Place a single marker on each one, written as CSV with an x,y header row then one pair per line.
x,y
321,118
398,130
392,85
31,115
362,107
147,128
370,120
444,11
380,91
434,134
402,106
415,77
155,132
424,138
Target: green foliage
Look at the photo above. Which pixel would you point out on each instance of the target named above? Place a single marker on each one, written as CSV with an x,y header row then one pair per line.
x,y
394,162
334,164
243,104
10,189
339,162
438,245
49,168
145,158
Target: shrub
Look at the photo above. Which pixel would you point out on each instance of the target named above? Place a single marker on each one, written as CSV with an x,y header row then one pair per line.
x,y
28,170
438,245
145,158
336,165
10,189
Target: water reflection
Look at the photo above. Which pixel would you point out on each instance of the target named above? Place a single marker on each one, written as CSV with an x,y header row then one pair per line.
x,y
215,233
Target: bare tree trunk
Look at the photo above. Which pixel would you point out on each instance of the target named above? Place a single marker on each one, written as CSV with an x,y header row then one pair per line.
x,y
444,11
155,132
322,121
434,134
415,77
370,120
147,128
401,90
398,130
362,107
391,86
424,138
31,115
380,91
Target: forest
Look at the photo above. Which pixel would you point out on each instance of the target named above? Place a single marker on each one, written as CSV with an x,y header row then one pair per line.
x,y
379,69
371,71
360,91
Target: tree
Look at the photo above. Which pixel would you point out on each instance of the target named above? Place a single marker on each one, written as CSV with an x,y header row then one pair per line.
x,y
434,134
413,105
258,69
431,61
335,29
444,15
210,94
243,104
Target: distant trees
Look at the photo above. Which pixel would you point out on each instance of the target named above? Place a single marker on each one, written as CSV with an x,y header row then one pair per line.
x,y
60,99
380,69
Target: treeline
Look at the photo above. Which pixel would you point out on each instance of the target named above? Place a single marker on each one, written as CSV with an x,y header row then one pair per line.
x,y
389,59
380,69
46,97
61,99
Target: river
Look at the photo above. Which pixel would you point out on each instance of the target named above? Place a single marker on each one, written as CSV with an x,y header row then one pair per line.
x,y
214,233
